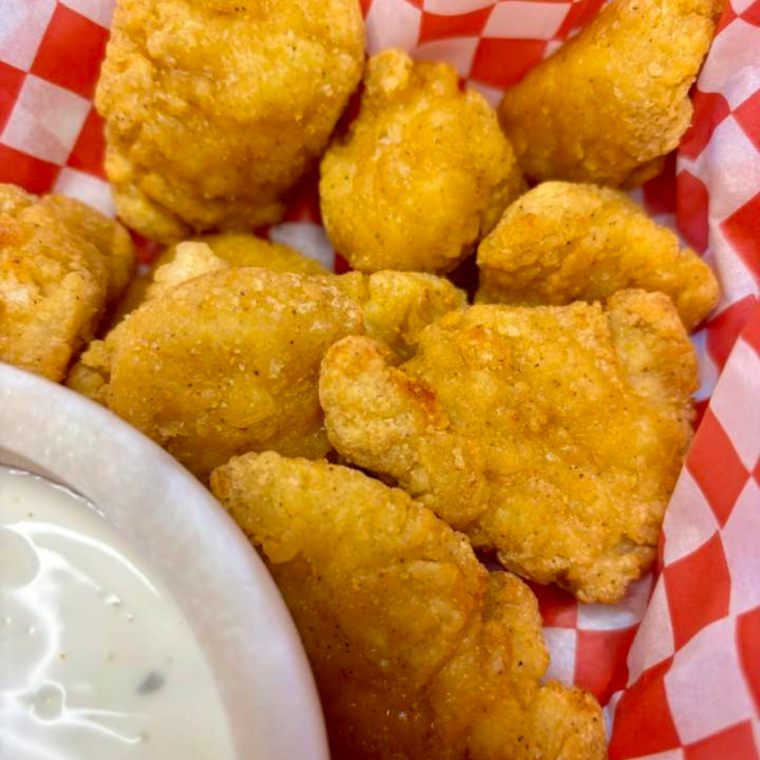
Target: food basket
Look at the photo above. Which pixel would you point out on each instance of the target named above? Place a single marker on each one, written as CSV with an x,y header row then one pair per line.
x,y
677,663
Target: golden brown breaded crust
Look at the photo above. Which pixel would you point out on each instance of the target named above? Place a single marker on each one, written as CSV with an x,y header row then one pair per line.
x,y
191,260
397,305
650,345
110,238
553,435
423,173
562,242
60,264
213,110
89,376
612,101
418,653
226,363
238,249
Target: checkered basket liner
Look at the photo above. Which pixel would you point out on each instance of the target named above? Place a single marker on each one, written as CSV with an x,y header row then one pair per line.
x,y
677,663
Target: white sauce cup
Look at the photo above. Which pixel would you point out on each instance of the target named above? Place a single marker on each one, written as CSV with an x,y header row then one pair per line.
x,y
183,534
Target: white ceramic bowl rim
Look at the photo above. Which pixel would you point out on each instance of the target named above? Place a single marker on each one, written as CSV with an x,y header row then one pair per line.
x,y
209,567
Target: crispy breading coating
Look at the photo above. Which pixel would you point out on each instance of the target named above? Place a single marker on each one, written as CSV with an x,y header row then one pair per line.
x,y
239,249
562,242
611,102
61,264
213,110
397,305
419,653
190,260
242,249
109,237
89,376
223,364
553,435
423,173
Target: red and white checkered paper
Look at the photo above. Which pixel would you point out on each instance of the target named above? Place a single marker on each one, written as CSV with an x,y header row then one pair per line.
x,y
684,682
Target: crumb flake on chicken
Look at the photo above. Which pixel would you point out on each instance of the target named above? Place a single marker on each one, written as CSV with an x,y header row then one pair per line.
x,y
214,110
61,264
612,101
423,173
562,242
553,435
419,653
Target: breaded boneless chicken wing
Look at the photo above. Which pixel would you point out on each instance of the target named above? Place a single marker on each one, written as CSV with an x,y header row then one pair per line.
x,y
214,109
423,173
224,363
552,435
562,242
419,653
61,264
611,102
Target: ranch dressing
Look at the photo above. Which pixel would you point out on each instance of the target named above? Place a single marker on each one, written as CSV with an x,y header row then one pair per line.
x,y
96,661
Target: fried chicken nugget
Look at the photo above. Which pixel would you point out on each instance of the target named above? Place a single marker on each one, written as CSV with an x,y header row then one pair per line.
x,y
61,264
224,363
611,102
553,435
215,109
419,653
423,173
562,242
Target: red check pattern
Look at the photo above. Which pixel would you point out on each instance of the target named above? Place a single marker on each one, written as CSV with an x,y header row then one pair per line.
x,y
695,661
50,136
684,683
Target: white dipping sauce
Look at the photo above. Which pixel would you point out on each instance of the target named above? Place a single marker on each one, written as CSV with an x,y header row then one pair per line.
x,y
96,661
